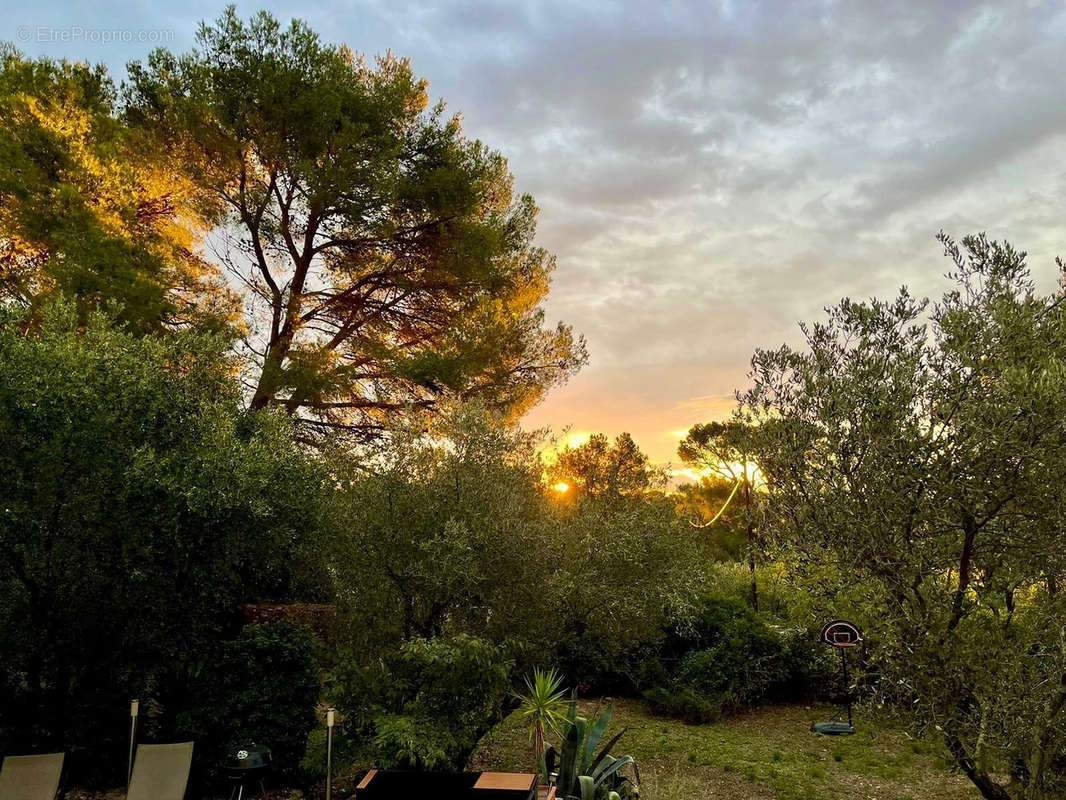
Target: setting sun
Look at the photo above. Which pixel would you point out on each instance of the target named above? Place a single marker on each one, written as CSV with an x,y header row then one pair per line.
x,y
562,487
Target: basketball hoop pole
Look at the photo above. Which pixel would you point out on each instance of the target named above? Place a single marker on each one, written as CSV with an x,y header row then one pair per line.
x,y
847,686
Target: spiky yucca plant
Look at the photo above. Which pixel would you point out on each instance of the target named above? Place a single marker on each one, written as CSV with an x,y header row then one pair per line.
x,y
542,707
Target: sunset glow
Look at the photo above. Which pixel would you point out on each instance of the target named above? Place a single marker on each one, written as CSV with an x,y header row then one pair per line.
x,y
411,366
731,471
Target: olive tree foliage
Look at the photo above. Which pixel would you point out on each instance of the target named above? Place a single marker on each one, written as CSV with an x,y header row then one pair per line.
x,y
139,507
388,262
460,533
446,534
626,561
627,568
919,450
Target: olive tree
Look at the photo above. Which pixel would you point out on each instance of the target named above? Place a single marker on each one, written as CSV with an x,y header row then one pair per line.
x,y
920,449
457,532
444,534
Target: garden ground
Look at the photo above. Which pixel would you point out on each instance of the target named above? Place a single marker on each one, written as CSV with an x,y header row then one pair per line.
x,y
764,754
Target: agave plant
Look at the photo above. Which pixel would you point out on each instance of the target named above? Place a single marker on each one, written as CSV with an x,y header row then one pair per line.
x,y
584,772
542,707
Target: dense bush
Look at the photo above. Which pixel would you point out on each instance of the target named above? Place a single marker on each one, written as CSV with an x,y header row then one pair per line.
x,y
734,656
684,703
726,657
428,703
262,688
140,507
600,665
624,563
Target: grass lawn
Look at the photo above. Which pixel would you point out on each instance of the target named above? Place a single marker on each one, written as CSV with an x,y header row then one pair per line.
x,y
766,753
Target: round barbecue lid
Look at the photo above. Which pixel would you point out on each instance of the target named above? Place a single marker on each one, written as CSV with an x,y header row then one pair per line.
x,y
248,756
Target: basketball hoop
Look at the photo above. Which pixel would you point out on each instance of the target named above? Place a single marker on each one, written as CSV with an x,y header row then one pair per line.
x,y
842,635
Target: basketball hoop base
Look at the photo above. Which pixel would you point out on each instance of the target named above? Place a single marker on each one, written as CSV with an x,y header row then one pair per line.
x,y
833,728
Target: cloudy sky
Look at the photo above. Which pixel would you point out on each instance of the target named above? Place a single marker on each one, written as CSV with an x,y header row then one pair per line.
x,y
709,173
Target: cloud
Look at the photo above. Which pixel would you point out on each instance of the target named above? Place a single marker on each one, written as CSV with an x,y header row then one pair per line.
x,y
710,173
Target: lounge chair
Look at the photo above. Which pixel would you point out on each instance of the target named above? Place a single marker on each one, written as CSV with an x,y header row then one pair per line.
x,y
31,777
160,772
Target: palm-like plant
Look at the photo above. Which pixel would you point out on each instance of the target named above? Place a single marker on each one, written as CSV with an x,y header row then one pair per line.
x,y
542,707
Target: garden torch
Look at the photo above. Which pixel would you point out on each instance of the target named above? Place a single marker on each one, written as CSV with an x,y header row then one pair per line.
x,y
330,714
135,707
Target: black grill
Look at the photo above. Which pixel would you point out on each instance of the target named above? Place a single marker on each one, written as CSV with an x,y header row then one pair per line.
x,y
247,766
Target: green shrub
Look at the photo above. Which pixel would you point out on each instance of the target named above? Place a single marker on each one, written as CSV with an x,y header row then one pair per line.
x,y
140,506
684,703
726,657
810,667
427,704
262,688
596,666
410,742
742,670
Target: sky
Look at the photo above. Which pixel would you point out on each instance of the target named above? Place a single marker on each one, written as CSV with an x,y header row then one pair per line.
x,y
709,173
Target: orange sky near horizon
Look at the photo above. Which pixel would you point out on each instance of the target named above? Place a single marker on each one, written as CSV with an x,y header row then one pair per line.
x,y
613,400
